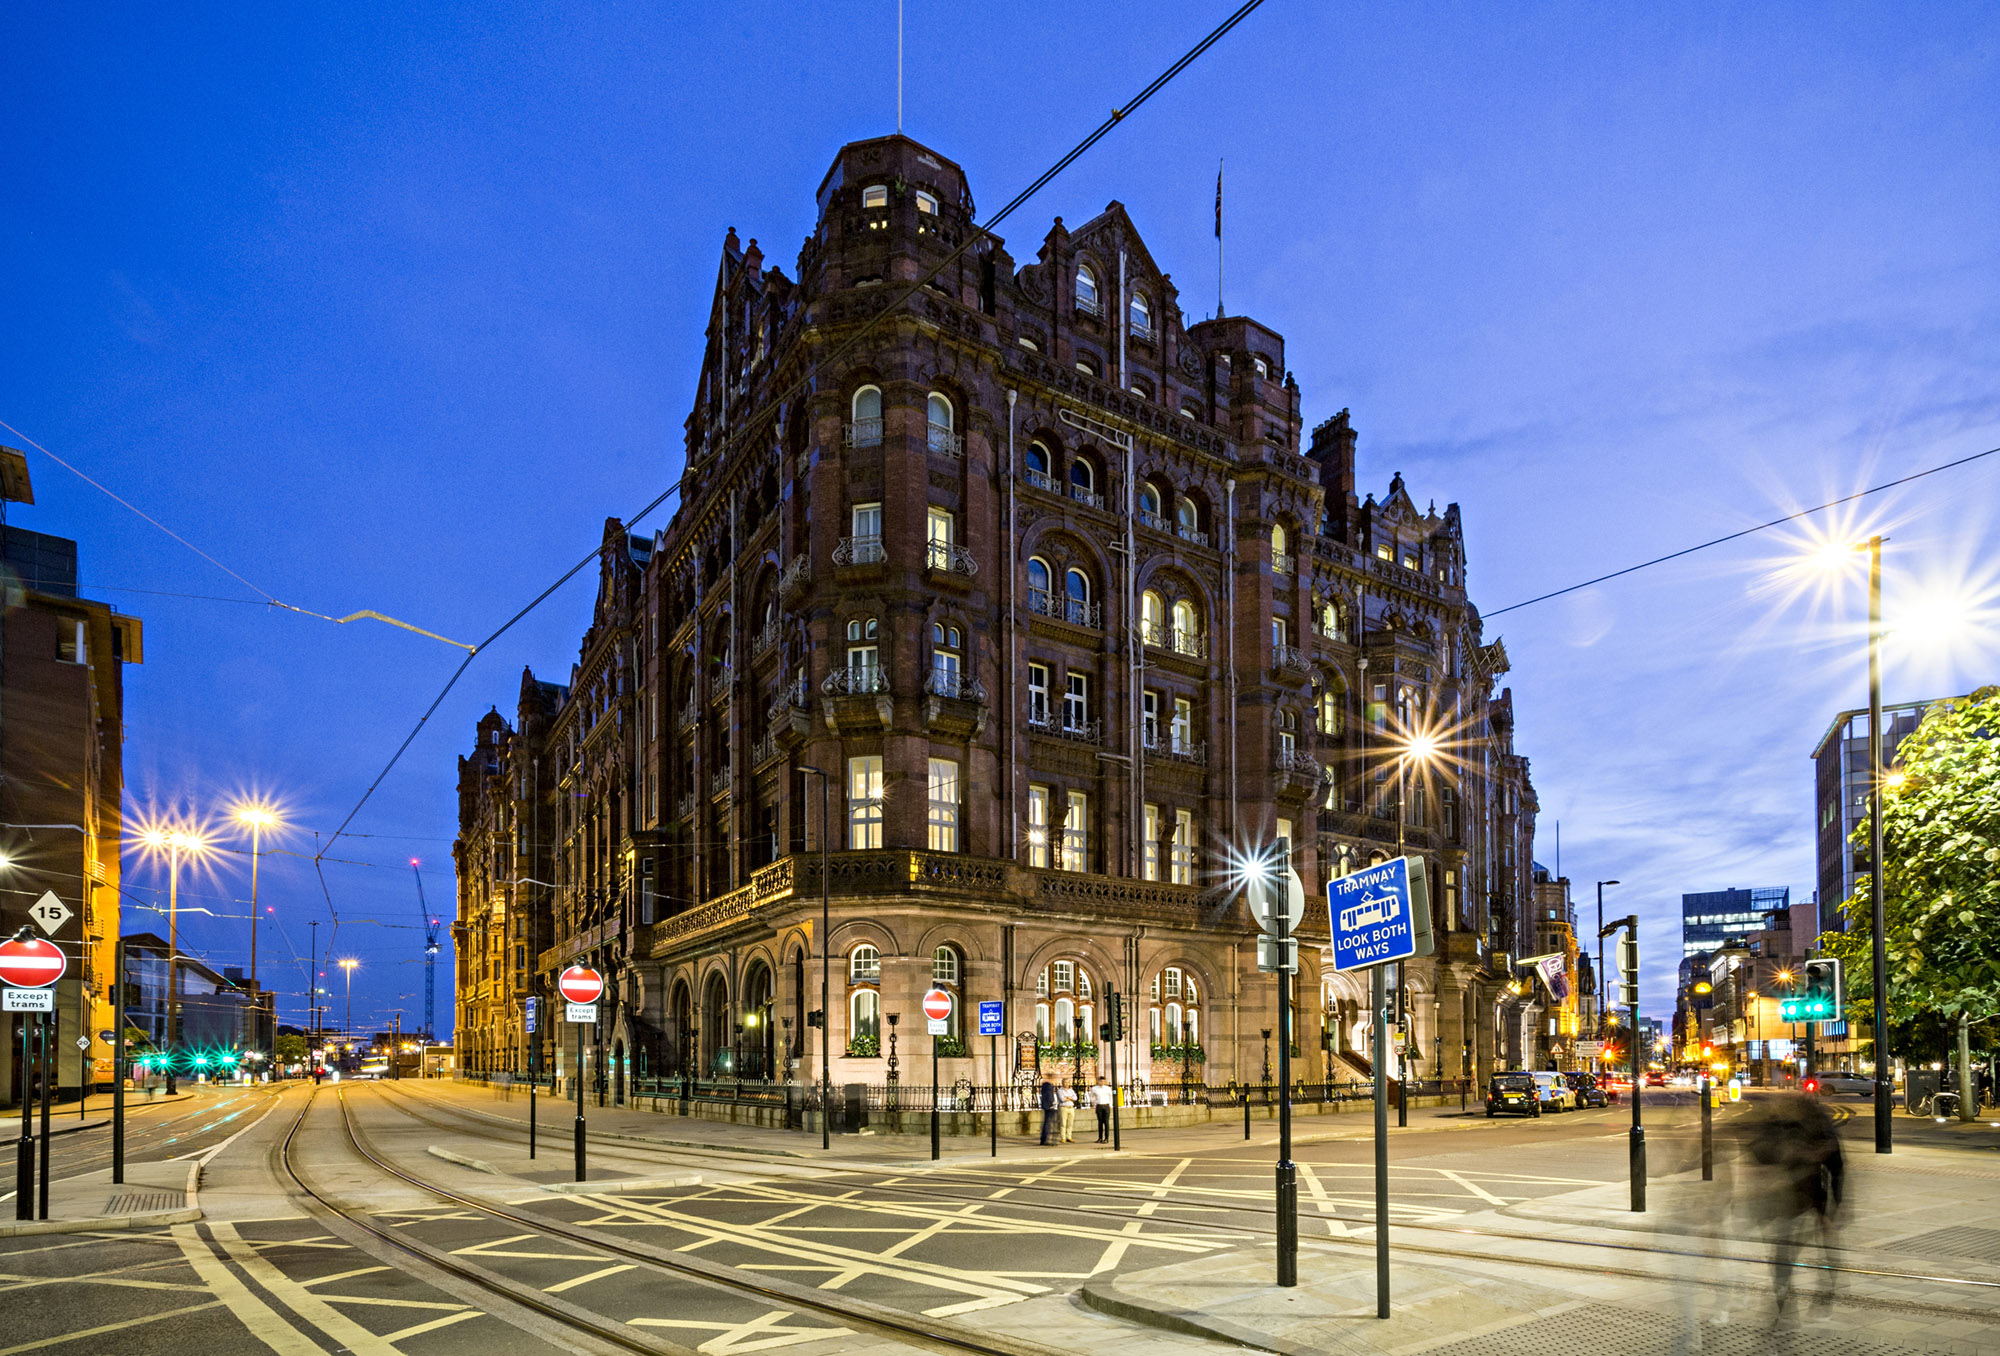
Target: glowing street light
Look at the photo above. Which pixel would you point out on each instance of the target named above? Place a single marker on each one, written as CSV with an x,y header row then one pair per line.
x,y
257,818
174,841
348,965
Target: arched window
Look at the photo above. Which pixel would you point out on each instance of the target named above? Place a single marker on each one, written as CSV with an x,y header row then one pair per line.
x,y
927,205
1152,618
866,430
1065,1020
1038,465
942,435
1086,291
1149,504
875,195
1142,316
1039,599
1176,1018
1188,518
947,970
1281,559
864,965
864,654
1082,475
1187,628
945,966
1076,588
1263,368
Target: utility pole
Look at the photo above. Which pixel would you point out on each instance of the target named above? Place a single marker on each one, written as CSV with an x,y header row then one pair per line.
x,y
1628,983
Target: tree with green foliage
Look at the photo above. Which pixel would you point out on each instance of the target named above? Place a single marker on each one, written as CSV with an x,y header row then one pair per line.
x,y
1940,876
291,1049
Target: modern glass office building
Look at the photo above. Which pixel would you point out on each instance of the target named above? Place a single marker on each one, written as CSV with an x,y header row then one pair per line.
x,y
1717,917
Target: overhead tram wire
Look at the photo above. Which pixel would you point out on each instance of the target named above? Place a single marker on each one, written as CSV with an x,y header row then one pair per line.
x,y
1746,532
268,598
754,423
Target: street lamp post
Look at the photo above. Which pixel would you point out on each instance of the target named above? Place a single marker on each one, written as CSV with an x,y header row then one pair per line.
x,y
348,1027
1600,968
825,961
258,818
1880,951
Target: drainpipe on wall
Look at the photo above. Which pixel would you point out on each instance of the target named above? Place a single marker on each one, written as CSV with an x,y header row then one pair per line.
x,y
1011,676
1229,612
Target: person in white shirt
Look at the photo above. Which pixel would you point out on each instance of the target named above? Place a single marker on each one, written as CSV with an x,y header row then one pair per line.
x,y
1100,1098
1068,1097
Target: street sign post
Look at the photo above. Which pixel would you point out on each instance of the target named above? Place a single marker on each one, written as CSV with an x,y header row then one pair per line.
x,y
993,1025
580,987
533,1004
937,1013
1378,915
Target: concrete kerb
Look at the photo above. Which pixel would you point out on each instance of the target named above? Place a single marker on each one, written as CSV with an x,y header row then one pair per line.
x,y
1106,1298
188,1213
625,1185
463,1160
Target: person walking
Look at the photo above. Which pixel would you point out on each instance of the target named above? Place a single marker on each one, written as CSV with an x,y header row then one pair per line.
x,y
1793,1141
1045,1097
1100,1100
1068,1103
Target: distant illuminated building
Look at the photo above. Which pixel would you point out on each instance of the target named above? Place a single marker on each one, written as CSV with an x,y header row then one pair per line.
x,y
1718,917
1840,797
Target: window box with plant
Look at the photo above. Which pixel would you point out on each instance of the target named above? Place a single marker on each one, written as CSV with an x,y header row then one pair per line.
x,y
864,1047
952,1047
1192,1054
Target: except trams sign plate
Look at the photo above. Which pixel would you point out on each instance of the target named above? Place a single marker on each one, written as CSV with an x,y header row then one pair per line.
x,y
1380,914
27,1000
580,1012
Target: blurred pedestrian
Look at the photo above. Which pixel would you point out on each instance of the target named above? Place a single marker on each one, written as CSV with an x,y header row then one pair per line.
x,y
1045,1097
1798,1175
1100,1101
1068,1104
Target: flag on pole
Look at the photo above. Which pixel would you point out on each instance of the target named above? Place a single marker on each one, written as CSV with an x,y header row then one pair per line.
x,y
1218,200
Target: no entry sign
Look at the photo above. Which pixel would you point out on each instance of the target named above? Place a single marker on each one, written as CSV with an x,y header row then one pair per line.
x,y
31,963
937,1008
580,984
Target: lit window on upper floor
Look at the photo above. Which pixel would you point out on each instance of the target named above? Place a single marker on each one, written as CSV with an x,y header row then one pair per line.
x,y
1188,411
1087,365
875,195
1411,561
1263,368
1029,344
1382,551
926,204
1141,317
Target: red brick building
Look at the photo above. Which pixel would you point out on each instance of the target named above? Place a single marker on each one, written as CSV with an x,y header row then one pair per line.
x,y
1051,582
62,742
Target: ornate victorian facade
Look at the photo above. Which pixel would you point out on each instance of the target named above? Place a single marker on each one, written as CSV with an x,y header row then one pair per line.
x,y
1053,588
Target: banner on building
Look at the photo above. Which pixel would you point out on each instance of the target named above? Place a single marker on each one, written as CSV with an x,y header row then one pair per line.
x,y
1555,976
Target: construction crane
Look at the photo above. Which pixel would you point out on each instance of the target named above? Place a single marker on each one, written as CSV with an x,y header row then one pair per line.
x,y
430,956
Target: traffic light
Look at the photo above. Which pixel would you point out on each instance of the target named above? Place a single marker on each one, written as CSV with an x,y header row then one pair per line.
x,y
816,1018
1821,996
1628,971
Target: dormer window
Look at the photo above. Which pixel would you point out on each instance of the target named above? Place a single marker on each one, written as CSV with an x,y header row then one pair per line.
x,y
1141,316
875,195
1086,291
926,204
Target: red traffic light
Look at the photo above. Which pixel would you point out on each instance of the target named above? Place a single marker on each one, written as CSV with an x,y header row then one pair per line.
x,y
1812,1085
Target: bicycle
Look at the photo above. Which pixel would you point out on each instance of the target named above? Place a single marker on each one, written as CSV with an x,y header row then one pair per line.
x,y
1942,1104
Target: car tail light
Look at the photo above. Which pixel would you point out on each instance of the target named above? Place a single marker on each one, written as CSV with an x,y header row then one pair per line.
x,y
1812,1085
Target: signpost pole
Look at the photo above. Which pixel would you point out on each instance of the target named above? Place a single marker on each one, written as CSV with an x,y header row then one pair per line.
x,y
48,1099
934,1099
1117,1005
24,1150
1288,1173
118,1063
993,1071
534,1071
1379,996
579,1101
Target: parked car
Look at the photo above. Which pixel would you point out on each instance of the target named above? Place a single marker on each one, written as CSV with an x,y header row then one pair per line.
x,y
1512,1094
1834,1083
1587,1091
1555,1093
1656,1078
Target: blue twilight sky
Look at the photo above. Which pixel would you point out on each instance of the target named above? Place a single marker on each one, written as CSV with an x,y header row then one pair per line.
x,y
390,308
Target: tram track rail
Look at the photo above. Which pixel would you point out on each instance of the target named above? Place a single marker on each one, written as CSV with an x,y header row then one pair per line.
x,y
1263,1225
917,1331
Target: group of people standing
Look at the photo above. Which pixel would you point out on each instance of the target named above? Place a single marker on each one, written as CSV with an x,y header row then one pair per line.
x,y
1059,1105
